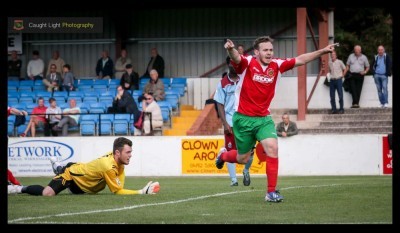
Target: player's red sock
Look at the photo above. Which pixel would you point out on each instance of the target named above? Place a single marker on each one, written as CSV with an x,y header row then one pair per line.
x,y
272,173
12,179
229,156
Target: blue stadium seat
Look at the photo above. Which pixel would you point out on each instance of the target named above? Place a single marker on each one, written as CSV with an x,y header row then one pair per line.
x,y
90,99
121,122
97,108
88,124
105,124
24,88
100,88
101,82
13,83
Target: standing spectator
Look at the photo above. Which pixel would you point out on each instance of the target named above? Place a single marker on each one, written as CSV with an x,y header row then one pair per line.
x,y
252,120
156,62
70,118
14,67
130,79
68,81
358,65
381,70
121,63
56,60
336,68
155,86
124,103
105,66
286,128
35,67
151,106
53,79
240,49
37,119
225,99
52,119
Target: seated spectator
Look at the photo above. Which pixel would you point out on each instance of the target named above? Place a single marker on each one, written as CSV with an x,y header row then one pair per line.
x,y
286,128
151,106
14,67
35,67
154,86
130,79
70,118
124,103
52,119
121,63
56,60
53,79
156,63
37,120
68,81
105,66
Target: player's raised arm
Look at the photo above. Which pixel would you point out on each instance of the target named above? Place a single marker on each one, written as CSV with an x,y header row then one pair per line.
x,y
232,52
307,57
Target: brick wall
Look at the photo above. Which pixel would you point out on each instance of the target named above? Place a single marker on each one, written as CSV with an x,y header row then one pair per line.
x,y
207,123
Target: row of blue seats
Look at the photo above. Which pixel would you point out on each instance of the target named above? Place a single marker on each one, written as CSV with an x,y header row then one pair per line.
x,y
94,81
106,124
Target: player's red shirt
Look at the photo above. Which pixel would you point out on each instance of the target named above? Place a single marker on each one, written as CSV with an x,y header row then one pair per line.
x,y
256,87
8,111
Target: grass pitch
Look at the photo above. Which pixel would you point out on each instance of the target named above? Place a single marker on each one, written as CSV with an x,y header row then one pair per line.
x,y
210,200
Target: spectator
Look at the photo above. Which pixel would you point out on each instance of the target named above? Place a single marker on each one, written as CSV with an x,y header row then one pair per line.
x,y
14,67
52,119
130,79
155,86
151,106
105,66
286,128
35,67
53,79
156,62
56,60
124,103
68,81
358,65
381,70
38,118
336,68
240,49
70,118
121,63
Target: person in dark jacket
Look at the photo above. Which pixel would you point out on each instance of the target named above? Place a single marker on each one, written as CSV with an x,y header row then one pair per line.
x,y
124,103
381,70
105,66
156,62
130,79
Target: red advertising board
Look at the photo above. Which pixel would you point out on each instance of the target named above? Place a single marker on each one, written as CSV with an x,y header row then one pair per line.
x,y
387,156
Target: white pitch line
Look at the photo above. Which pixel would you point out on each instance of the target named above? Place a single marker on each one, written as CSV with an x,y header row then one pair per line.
x,y
131,207
163,203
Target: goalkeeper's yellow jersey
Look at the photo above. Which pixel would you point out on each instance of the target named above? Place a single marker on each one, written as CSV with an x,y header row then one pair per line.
x,y
93,176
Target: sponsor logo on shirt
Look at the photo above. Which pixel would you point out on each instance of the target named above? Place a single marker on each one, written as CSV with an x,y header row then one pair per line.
x,y
263,79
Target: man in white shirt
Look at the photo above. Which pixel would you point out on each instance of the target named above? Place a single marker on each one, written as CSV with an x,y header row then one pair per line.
x,y
35,67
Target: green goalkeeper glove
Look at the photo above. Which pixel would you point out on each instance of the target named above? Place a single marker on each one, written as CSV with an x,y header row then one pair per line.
x,y
151,188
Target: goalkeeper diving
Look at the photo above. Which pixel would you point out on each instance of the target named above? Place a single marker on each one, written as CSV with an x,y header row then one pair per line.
x,y
91,177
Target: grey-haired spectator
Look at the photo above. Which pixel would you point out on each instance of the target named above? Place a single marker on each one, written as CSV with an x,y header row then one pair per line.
x,y
70,118
121,64
381,70
58,61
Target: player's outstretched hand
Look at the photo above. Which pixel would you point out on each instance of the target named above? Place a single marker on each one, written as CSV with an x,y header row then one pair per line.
x,y
151,188
229,44
330,48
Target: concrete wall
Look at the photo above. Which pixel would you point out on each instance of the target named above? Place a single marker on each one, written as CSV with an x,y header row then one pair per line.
x,y
164,156
200,89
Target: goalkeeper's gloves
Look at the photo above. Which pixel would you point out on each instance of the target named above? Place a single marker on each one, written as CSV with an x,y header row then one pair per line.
x,y
151,188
